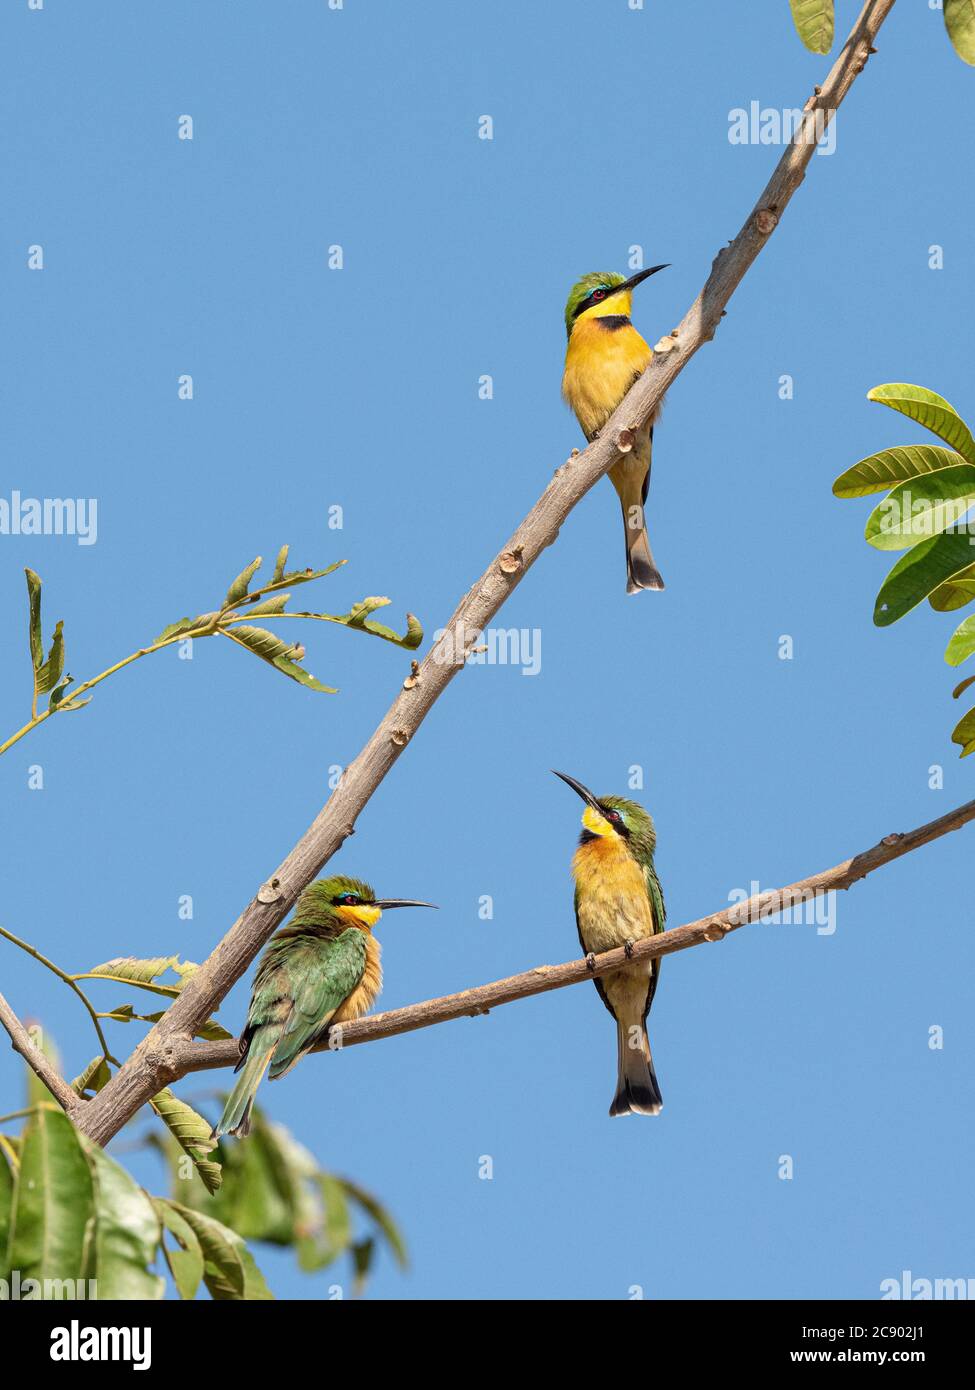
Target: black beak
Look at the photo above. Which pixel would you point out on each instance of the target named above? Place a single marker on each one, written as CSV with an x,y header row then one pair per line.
x,y
631,284
385,903
580,790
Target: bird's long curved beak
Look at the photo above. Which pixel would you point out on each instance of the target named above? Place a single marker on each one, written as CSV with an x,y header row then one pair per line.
x,y
580,790
631,284
386,903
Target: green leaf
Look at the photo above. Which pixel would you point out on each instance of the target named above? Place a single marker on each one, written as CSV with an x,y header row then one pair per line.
x,y
921,507
374,1208
359,617
266,645
59,691
50,673
93,1078
955,592
928,409
192,1132
305,576
142,973
962,643
333,1231
266,1195
960,23
241,584
126,1235
303,677
962,686
880,471
53,1200
277,604
279,565
183,625
58,702
186,1262
34,621
229,1269
121,1013
359,612
283,656
211,1031
67,705
919,572
814,23
964,734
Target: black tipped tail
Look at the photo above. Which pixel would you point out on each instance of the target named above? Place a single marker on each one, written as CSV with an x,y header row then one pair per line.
x,y
641,572
637,1092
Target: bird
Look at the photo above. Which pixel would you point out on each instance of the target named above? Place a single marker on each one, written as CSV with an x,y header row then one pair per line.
x,y
321,969
618,901
604,357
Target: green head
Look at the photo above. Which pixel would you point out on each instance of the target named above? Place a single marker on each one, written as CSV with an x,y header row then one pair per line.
x,y
603,293
344,902
615,815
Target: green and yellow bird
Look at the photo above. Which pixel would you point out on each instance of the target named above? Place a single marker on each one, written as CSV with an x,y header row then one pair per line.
x,y
321,969
618,901
604,357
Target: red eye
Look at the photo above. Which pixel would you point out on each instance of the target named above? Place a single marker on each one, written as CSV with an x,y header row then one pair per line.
x,y
599,294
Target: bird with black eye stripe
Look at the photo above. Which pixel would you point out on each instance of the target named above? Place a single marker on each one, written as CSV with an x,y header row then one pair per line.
x,y
604,357
618,901
323,968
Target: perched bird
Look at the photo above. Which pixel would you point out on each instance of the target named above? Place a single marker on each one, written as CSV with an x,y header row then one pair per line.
x,y
604,357
618,901
321,969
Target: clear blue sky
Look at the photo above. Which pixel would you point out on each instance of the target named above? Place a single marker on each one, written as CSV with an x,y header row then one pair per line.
x,y
316,387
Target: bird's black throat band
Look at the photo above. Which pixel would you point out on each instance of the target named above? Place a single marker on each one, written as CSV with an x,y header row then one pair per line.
x,y
611,322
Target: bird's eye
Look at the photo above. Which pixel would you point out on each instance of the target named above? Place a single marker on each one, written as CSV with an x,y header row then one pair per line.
x,y
598,294
615,817
349,900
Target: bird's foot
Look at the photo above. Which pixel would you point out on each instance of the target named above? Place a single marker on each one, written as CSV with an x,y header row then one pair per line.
x,y
590,961
628,948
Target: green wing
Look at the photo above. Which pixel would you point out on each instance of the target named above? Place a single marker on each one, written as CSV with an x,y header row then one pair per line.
x,y
656,897
319,979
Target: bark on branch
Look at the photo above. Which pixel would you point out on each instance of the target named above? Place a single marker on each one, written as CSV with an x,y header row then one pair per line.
x,y
21,1041
196,1056
152,1063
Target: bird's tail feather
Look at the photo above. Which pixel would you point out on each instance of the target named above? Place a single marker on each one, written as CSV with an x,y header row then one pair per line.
x,y
641,571
236,1117
637,1092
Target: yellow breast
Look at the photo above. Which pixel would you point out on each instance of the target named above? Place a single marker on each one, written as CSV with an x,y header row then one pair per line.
x,y
601,365
613,905
364,995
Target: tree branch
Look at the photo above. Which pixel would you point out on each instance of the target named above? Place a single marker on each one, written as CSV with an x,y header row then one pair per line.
x,y
715,927
21,1042
152,1063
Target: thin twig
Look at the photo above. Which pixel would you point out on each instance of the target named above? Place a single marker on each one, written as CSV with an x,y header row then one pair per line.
x,y
154,1058
71,982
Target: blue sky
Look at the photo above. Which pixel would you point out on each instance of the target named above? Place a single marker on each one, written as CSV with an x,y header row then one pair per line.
x,y
359,388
